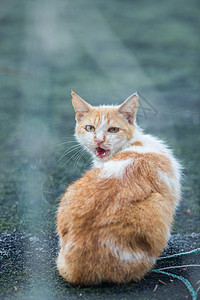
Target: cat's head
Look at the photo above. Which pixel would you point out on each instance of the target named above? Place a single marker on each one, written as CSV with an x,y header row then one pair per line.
x,y
104,130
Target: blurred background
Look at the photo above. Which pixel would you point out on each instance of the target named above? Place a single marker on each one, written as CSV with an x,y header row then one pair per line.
x,y
104,51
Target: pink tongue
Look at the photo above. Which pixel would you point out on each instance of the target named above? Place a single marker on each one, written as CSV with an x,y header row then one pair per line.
x,y
100,152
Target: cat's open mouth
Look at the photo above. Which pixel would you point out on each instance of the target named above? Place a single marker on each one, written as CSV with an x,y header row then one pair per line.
x,y
101,153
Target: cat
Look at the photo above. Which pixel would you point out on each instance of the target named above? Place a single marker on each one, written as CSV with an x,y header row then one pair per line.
x,y
115,221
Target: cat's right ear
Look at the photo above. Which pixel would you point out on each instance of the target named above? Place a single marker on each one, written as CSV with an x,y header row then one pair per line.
x,y
129,108
81,107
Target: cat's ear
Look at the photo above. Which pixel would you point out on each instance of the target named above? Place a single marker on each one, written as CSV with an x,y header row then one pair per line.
x,y
81,107
129,108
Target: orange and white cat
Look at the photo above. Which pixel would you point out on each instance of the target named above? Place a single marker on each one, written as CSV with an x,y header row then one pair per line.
x,y
115,221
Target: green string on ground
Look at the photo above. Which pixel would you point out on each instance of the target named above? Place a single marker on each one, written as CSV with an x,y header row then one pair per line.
x,y
193,293
185,281
195,251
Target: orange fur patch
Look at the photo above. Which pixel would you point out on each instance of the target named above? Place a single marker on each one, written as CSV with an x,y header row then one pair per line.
x,y
137,144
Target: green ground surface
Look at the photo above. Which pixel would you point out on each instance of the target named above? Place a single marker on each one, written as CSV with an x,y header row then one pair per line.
x,y
104,50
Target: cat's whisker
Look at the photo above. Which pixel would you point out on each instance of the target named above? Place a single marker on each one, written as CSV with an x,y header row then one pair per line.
x,y
78,153
66,155
74,156
70,137
64,143
77,160
75,147
69,150
71,158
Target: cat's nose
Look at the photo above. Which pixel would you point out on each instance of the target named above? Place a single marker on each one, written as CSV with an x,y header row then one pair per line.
x,y
99,142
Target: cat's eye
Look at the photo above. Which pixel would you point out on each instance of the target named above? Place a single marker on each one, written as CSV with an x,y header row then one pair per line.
x,y
90,128
113,129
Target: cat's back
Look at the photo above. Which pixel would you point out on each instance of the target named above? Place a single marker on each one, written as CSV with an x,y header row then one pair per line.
x,y
131,175
147,164
117,217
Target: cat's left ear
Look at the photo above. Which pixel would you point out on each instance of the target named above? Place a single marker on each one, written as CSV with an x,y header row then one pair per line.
x,y
81,107
129,108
